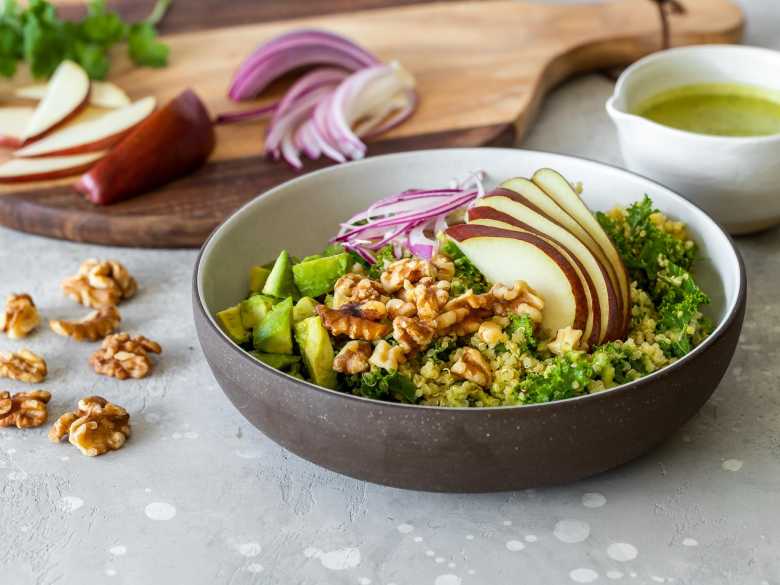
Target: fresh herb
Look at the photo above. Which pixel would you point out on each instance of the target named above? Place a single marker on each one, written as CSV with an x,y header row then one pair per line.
x,y
441,349
38,36
384,257
679,311
382,385
564,377
467,277
521,331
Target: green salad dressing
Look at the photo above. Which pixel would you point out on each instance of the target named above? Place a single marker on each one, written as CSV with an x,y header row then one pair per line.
x,y
721,109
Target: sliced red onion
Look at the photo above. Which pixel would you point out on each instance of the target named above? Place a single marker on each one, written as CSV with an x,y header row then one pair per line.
x,y
254,114
420,244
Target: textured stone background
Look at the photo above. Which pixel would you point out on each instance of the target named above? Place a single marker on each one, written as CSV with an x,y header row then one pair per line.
x,y
198,496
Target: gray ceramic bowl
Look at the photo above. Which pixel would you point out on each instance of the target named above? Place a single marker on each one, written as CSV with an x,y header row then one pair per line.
x,y
454,449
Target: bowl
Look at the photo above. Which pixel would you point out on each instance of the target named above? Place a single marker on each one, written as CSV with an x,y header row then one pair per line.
x,y
454,449
734,179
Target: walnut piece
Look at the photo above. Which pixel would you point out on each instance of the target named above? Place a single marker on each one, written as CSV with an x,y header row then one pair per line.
x,y
95,427
123,356
491,333
20,316
411,269
100,284
93,327
356,288
24,409
23,366
386,356
428,298
412,334
473,367
566,340
345,322
445,268
353,358
400,307
518,299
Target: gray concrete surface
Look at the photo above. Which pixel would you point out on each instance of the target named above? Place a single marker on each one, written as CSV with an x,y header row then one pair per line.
x,y
198,496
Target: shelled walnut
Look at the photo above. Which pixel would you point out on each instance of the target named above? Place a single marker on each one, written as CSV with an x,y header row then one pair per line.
x,y
566,340
95,427
23,366
20,316
473,367
93,327
344,322
353,358
100,284
123,356
24,409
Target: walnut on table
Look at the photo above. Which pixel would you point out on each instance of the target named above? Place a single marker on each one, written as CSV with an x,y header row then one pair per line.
x,y
23,366
24,409
100,284
95,427
123,356
20,316
93,327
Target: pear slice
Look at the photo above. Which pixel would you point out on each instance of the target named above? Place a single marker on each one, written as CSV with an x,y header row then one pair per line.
x,y
13,121
22,170
95,133
507,256
102,94
520,215
561,191
485,215
66,93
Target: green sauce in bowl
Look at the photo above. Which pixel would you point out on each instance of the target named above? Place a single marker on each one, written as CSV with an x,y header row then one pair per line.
x,y
720,109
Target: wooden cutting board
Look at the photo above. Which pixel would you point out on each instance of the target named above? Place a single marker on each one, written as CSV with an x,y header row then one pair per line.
x,y
482,69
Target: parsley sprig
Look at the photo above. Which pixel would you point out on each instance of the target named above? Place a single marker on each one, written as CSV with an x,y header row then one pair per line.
x,y
38,36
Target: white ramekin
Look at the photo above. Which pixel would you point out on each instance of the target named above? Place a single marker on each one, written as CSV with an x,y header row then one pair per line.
x,y
735,179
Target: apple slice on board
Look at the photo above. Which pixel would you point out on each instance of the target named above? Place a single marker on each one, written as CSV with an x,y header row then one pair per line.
x,y
66,93
96,133
13,121
102,94
174,141
561,191
507,256
21,170
498,207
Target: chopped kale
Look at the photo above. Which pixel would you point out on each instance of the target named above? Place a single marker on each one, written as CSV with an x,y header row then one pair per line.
x,y
381,385
678,309
564,377
466,274
383,258
441,349
521,331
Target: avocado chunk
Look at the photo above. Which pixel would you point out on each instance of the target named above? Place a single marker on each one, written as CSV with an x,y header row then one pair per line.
x,y
317,277
280,282
317,351
274,334
258,275
231,322
304,308
279,361
254,309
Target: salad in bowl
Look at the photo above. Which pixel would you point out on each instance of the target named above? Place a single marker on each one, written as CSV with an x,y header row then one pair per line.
x,y
465,298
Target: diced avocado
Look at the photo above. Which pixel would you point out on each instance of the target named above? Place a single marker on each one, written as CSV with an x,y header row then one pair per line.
x,y
274,334
312,257
329,301
231,322
295,371
304,308
317,277
254,309
257,277
317,351
280,282
279,361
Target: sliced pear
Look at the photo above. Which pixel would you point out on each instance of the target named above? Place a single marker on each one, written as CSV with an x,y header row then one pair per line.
x,y
96,133
21,170
102,94
520,215
507,256
561,191
490,217
66,93
13,121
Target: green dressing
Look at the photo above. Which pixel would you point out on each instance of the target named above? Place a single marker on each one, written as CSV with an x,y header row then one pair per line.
x,y
721,109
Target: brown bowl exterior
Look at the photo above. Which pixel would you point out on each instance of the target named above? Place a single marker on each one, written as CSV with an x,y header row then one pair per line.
x,y
469,450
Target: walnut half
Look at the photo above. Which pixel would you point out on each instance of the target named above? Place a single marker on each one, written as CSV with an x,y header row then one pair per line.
x,y
93,327
23,366
95,427
100,284
123,356
353,358
345,321
24,409
473,367
20,316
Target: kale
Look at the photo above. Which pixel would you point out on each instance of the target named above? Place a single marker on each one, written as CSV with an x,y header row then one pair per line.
x,y
381,385
383,257
521,330
441,349
678,309
467,277
564,377
612,364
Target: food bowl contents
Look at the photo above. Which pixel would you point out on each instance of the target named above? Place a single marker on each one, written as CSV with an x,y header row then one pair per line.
x,y
24,410
124,356
95,326
23,366
720,109
457,297
174,141
20,317
96,426
348,96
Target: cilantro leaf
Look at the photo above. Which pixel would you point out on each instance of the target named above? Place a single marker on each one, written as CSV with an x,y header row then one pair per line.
x,y
144,48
